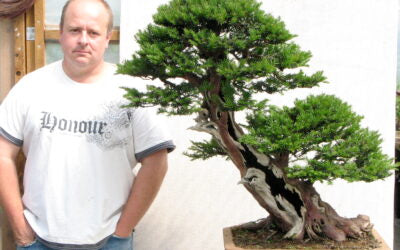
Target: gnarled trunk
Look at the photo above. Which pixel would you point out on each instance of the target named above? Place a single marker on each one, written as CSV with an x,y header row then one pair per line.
x,y
293,205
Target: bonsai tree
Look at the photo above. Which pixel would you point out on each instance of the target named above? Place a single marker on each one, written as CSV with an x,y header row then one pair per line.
x,y
219,57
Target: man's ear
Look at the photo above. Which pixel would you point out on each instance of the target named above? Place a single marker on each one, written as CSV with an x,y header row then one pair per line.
x,y
60,32
108,37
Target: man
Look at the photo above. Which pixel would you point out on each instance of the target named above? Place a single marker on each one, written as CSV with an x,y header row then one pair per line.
x,y
81,146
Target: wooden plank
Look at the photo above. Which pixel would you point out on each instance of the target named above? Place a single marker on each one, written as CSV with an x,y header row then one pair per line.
x,y
7,81
35,50
40,56
6,56
53,33
19,55
30,40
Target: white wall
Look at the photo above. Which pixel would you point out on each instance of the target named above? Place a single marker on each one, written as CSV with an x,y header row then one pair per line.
x,y
354,43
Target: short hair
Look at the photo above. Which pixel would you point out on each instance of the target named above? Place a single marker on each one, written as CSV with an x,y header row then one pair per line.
x,y
106,6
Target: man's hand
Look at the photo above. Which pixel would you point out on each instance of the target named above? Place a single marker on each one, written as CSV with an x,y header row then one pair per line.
x,y
122,231
24,235
122,234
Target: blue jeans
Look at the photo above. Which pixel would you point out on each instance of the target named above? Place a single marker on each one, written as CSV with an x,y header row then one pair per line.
x,y
113,243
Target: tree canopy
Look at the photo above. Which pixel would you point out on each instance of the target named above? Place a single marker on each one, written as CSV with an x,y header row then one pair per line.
x,y
225,51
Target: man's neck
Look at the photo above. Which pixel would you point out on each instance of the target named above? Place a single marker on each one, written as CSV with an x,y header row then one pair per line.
x,y
86,74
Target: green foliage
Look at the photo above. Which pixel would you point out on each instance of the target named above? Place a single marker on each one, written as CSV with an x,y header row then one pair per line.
x,y
205,150
179,100
229,47
323,138
219,54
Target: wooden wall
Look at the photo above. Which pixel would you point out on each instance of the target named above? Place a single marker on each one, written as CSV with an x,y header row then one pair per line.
x,y
7,80
6,56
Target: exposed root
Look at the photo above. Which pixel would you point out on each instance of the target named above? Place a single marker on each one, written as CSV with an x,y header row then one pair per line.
x,y
334,233
296,232
337,228
258,224
363,222
311,233
356,227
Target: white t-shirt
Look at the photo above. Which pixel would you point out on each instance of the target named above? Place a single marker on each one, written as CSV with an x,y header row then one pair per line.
x,y
81,147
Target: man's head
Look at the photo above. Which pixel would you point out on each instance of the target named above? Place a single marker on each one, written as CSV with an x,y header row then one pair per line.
x,y
85,31
106,6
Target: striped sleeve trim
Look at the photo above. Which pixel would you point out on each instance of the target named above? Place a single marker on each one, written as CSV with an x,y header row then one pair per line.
x,y
169,145
10,138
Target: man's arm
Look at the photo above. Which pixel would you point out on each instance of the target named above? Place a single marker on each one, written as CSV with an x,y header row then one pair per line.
x,y
10,196
144,190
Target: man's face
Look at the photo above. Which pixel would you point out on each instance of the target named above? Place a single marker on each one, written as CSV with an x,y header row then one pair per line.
x,y
84,36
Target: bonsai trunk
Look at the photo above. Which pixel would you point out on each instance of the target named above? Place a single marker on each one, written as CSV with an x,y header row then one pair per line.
x,y
293,205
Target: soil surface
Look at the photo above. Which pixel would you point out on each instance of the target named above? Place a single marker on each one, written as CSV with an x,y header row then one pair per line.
x,y
272,239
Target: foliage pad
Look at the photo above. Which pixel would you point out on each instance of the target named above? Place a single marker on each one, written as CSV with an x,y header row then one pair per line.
x,y
324,139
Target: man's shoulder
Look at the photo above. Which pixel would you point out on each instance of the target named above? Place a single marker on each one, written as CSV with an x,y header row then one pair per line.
x,y
44,71
36,80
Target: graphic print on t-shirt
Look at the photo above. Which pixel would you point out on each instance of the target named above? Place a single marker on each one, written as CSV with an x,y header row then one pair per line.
x,y
110,129
54,123
118,131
